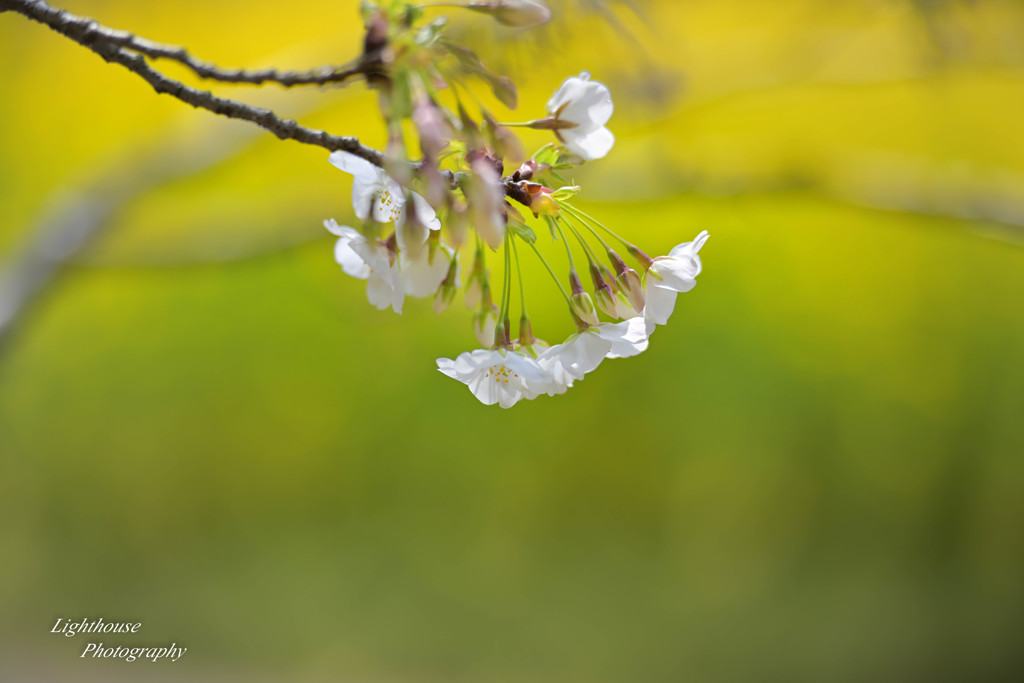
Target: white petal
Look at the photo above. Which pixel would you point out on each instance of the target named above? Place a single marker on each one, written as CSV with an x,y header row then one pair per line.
x,y
660,304
371,187
571,88
447,366
379,292
340,230
411,235
590,145
350,163
628,338
422,276
374,254
397,289
690,248
674,273
591,106
483,387
425,212
469,362
388,199
484,327
528,369
349,260
580,354
509,397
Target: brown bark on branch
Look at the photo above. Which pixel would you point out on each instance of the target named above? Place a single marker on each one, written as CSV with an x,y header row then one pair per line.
x,y
124,49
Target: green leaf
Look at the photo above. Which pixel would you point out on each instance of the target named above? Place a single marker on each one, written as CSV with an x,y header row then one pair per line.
x,y
522,230
567,192
548,154
431,33
552,226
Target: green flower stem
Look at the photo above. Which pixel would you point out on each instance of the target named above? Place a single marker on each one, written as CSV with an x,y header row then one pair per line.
x,y
506,286
591,257
519,273
581,216
593,232
551,272
568,251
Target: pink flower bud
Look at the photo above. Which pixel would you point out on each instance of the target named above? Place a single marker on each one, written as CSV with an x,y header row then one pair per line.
x,y
517,13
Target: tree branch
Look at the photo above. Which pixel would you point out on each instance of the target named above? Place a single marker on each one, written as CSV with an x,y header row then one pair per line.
x,y
93,32
106,43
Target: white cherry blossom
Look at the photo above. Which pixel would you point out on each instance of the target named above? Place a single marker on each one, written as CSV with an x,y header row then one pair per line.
x,y
372,261
667,277
376,193
584,351
497,376
424,270
628,338
588,105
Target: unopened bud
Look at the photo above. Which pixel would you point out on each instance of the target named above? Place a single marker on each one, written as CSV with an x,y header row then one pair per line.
x,y
553,123
477,281
485,320
645,260
628,282
544,205
606,301
450,284
527,169
457,225
473,292
581,324
483,191
583,306
525,331
517,13
443,297
502,335
412,236
541,201
603,291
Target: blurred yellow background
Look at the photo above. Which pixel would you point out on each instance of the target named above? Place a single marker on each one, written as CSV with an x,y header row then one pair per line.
x,y
814,474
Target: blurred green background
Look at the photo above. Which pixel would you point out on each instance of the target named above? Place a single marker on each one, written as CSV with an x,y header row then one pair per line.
x,y
814,474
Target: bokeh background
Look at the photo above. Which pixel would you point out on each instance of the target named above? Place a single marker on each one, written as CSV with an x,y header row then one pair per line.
x,y
814,474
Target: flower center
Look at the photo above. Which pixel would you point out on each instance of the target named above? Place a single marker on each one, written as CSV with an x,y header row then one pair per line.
x,y
387,203
500,373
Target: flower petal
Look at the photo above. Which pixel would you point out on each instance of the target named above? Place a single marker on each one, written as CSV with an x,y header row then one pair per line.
x,y
628,338
572,88
422,275
590,145
425,212
580,354
379,292
674,273
350,163
661,302
590,107
447,366
387,199
340,230
349,260
690,248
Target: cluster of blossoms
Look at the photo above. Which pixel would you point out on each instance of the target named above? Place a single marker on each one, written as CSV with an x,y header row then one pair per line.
x,y
402,250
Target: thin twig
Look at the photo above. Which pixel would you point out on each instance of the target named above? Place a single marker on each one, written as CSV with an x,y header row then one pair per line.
x,y
82,32
323,75
93,32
